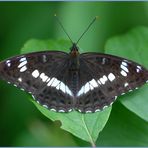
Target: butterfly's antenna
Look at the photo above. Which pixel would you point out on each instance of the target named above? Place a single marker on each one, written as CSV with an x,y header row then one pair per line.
x,y
63,28
87,28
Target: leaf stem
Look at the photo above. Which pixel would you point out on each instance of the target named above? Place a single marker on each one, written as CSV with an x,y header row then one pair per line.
x,y
88,132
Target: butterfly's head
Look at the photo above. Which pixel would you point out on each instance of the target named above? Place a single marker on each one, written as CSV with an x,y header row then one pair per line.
x,y
74,50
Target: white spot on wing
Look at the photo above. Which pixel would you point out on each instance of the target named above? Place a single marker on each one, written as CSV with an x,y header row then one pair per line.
x,y
22,89
68,91
33,97
116,97
22,64
43,77
51,81
123,94
111,103
126,84
86,88
81,91
52,109
124,63
8,62
99,82
105,107
69,110
111,77
23,59
35,73
44,58
138,70
48,80
61,111
88,111
103,60
24,68
55,83
139,67
91,87
103,79
124,68
15,85
123,73
45,106
97,110
62,87
20,79
79,110
59,85
93,83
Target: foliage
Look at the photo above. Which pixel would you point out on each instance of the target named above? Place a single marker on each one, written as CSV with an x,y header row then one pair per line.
x,y
21,123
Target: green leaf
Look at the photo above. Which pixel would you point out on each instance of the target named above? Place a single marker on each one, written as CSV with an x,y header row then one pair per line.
x,y
134,46
123,128
84,126
34,45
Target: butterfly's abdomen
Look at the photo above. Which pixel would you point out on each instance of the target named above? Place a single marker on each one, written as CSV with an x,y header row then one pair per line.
x,y
74,72
74,77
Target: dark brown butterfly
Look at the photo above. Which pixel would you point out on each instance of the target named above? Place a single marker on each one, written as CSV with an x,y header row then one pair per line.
x,y
61,82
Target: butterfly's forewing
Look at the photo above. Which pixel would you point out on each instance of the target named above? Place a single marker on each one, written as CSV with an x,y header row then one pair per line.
x,y
41,74
104,77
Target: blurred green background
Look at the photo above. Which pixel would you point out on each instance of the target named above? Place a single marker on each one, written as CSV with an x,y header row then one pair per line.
x,y
21,124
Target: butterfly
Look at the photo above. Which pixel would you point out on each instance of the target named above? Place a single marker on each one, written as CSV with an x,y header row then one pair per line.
x,y
62,82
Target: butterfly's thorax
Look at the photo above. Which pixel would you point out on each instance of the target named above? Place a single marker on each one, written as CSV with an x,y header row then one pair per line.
x,y
74,62
74,66
74,59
